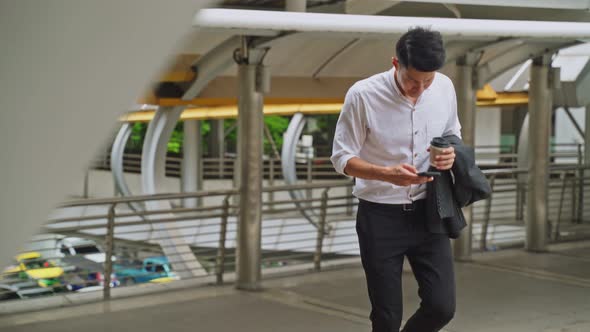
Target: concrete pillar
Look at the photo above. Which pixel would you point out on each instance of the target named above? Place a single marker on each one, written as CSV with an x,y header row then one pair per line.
x,y
216,139
250,133
296,5
540,106
217,144
192,161
465,88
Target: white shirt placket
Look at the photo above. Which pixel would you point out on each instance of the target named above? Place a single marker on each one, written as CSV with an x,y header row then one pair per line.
x,y
413,149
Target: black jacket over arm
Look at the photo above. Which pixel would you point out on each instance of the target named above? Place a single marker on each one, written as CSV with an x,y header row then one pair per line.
x,y
461,186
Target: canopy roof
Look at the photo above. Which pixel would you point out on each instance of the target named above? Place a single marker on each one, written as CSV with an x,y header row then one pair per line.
x,y
315,57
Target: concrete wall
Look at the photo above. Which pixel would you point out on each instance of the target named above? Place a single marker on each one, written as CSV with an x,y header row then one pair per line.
x,y
68,69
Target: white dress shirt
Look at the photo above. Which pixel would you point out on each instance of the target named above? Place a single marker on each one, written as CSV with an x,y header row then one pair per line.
x,y
381,126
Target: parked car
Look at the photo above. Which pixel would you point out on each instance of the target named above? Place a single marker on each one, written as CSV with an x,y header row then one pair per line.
x,y
152,269
85,274
30,266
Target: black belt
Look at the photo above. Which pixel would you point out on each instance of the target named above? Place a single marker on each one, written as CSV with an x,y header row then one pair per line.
x,y
418,205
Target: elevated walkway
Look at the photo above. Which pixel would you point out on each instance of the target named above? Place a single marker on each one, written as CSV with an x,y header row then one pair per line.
x,y
503,291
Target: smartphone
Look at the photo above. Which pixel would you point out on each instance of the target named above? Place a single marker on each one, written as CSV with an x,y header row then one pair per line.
x,y
429,174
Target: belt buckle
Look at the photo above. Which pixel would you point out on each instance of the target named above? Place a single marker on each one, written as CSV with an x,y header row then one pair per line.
x,y
408,207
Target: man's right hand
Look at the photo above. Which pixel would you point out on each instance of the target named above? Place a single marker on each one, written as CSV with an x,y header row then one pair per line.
x,y
403,175
400,175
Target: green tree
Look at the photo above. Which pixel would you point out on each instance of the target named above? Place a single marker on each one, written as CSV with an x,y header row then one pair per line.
x,y
277,125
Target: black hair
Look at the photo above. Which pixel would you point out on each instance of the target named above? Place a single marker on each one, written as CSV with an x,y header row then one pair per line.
x,y
421,49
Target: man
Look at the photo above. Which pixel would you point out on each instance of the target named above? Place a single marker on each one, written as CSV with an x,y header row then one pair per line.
x,y
382,139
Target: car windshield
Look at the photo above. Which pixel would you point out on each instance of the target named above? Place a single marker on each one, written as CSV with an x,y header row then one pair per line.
x,y
87,249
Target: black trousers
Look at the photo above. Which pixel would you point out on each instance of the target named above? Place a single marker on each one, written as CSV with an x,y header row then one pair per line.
x,y
386,234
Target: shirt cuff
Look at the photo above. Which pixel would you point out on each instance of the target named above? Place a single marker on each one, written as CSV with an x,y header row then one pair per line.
x,y
340,163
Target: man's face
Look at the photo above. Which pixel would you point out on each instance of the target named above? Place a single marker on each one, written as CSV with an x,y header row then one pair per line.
x,y
412,81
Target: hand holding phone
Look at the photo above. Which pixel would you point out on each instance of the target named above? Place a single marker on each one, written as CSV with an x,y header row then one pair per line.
x,y
429,174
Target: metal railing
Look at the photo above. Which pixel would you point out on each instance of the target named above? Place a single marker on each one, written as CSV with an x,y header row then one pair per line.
x,y
209,231
134,237
489,156
501,217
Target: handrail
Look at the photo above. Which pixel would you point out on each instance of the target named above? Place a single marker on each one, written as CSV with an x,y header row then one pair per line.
x,y
315,185
155,197
297,240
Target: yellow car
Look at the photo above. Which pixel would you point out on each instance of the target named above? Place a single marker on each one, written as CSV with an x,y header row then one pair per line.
x,y
30,265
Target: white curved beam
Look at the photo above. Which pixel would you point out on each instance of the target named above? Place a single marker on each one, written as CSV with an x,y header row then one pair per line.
x,y
153,172
267,23
289,169
117,153
496,66
210,65
155,146
456,49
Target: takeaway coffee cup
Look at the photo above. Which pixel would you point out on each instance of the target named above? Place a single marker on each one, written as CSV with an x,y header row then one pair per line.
x,y
437,145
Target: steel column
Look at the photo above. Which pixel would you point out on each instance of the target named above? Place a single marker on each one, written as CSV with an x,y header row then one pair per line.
x,y
250,140
540,107
465,89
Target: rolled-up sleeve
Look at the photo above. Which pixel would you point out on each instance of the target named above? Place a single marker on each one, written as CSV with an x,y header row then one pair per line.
x,y
350,132
453,126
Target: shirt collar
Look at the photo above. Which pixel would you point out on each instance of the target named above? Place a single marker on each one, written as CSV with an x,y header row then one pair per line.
x,y
391,77
398,91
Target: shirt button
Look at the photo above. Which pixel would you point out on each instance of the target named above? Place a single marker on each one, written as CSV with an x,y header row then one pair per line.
x,y
416,132
415,155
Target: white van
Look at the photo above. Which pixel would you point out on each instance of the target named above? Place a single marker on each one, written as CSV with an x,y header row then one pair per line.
x,y
75,246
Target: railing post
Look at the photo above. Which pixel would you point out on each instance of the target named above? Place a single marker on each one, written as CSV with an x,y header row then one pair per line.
x,y
582,194
560,209
574,201
271,181
86,181
520,197
309,192
317,258
220,260
237,181
580,172
486,223
105,160
349,201
109,244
